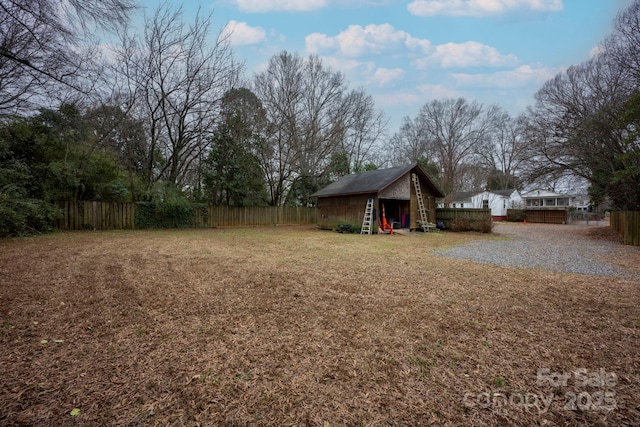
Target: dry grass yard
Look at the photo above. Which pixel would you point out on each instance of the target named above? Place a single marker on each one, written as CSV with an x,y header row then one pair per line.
x,y
289,326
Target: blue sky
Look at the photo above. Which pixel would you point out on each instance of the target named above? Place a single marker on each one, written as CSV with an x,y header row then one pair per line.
x,y
408,52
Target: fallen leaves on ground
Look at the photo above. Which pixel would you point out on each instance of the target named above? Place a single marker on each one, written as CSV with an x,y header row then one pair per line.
x,y
296,326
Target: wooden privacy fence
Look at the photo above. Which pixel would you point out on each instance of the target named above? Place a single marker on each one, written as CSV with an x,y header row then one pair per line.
x,y
96,216
114,215
233,216
627,224
546,216
474,217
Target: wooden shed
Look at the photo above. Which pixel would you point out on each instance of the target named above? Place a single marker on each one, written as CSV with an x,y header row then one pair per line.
x,y
393,188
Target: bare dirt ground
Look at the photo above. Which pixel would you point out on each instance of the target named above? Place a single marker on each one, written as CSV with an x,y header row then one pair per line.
x,y
295,326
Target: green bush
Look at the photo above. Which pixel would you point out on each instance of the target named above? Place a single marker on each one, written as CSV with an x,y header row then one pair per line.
x,y
349,227
19,217
341,225
145,215
174,212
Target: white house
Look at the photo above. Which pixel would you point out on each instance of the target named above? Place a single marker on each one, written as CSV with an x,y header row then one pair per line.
x,y
463,199
547,199
496,200
582,204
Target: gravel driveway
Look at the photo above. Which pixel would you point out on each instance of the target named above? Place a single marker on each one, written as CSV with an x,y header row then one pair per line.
x,y
562,248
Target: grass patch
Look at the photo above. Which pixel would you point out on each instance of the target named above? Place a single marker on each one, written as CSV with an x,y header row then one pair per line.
x,y
296,326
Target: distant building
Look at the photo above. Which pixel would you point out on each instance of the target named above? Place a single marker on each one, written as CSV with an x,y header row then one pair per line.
x,y
391,189
547,199
582,204
463,200
496,200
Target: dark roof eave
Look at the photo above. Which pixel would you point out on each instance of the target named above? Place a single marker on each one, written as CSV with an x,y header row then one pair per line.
x,y
354,193
400,173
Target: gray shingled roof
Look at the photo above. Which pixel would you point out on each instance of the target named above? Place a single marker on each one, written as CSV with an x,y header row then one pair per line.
x,y
372,182
467,195
464,195
505,193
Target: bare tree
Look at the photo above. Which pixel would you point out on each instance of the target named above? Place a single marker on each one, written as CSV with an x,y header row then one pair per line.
x,y
320,128
317,129
581,124
504,151
43,49
364,128
446,137
410,143
279,88
575,111
623,45
453,128
306,111
176,78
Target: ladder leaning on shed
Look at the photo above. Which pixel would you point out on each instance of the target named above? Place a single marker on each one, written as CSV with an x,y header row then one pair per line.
x,y
368,218
424,219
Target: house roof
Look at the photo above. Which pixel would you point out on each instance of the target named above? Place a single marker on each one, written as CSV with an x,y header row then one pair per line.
x,y
505,193
467,195
543,193
374,182
464,195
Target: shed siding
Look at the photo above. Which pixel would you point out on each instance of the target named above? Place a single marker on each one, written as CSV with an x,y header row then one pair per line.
x,y
349,208
429,204
400,190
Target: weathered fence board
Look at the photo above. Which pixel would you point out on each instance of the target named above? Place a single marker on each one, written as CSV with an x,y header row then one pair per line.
x,y
546,216
627,224
86,215
449,216
95,216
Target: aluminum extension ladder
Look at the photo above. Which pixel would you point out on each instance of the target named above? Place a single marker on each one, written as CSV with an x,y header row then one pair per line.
x,y
368,218
424,219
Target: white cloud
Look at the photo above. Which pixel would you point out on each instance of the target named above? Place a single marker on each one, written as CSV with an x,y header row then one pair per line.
x,y
522,76
257,6
596,50
414,99
242,34
429,91
317,42
274,5
399,99
364,72
347,66
480,7
357,41
274,34
108,51
422,45
384,76
469,54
